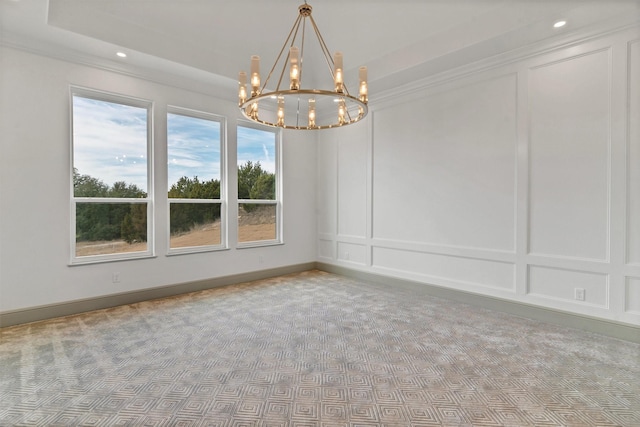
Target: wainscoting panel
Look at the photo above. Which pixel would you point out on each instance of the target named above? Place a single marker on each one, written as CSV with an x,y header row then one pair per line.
x,y
352,252
352,181
444,167
633,295
518,180
326,249
472,271
327,189
560,285
569,157
633,164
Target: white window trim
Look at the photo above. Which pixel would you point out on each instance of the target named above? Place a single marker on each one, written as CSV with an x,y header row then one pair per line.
x,y
279,240
149,200
224,241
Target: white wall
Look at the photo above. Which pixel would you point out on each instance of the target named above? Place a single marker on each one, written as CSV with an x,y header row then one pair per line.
x,y
34,190
517,178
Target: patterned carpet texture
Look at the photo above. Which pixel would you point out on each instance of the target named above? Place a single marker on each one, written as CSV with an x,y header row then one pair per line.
x,y
312,349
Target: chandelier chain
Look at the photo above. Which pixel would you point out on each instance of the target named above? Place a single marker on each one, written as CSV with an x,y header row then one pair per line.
x,y
327,57
295,26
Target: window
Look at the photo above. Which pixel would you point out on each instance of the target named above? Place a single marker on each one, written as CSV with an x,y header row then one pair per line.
x,y
110,204
258,186
194,173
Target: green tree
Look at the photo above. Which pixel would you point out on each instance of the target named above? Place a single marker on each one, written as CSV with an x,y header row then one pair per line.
x,y
264,188
184,216
126,230
248,175
255,183
134,224
122,189
105,221
87,186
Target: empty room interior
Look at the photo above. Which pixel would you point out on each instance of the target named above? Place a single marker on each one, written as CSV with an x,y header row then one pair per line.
x,y
322,213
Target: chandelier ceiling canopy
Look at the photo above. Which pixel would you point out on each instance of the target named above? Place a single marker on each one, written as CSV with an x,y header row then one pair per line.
x,y
291,105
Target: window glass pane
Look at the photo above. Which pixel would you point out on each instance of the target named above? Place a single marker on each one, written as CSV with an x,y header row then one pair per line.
x,y
193,153
256,164
109,148
194,224
256,222
107,228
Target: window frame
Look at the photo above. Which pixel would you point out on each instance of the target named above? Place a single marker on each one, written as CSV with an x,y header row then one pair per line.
x,y
111,97
277,202
222,201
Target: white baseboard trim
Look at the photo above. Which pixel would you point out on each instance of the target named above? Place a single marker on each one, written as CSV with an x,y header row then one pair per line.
x,y
557,317
34,314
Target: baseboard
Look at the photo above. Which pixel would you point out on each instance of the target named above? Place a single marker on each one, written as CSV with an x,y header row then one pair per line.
x,y
34,314
578,321
572,320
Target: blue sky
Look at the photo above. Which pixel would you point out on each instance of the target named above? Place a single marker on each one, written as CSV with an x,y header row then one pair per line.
x,y
193,148
110,143
257,145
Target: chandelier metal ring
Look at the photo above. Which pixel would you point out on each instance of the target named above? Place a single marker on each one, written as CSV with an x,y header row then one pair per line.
x,y
355,109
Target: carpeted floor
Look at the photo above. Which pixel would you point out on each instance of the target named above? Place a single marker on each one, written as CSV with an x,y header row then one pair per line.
x,y
312,349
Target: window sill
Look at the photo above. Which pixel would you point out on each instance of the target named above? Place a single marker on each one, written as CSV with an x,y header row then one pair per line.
x,y
196,250
259,244
101,259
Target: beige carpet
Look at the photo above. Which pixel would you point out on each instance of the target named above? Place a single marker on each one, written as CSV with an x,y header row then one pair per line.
x,y
312,349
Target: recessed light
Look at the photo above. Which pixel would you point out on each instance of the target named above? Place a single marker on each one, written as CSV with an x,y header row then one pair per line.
x,y
559,24
121,54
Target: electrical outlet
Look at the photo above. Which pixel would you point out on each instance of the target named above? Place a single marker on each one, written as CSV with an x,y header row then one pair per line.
x,y
579,294
346,256
115,277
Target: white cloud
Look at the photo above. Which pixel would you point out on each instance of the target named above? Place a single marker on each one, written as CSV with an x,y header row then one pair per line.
x,y
257,146
110,141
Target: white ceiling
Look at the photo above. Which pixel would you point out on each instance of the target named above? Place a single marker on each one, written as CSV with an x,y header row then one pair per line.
x,y
395,39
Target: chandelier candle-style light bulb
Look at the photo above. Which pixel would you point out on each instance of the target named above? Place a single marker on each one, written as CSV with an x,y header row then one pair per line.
x,y
282,104
252,111
294,71
255,75
242,87
280,111
337,64
312,113
342,109
363,85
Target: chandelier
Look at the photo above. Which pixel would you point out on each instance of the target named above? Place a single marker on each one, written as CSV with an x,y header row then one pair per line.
x,y
290,106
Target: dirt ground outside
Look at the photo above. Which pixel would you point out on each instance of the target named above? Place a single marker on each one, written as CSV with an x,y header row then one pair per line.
x,y
255,226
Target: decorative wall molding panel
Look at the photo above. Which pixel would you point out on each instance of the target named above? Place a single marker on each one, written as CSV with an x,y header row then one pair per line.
x,y
559,284
352,176
569,146
477,272
460,141
633,295
516,177
326,249
352,253
633,149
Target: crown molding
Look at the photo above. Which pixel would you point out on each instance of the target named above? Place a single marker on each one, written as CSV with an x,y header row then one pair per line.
x,y
437,71
160,71
441,71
